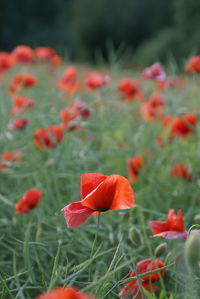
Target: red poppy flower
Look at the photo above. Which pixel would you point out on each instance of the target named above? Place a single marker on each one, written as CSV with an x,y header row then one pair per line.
x,y
96,80
21,104
155,72
18,124
172,228
181,171
6,61
130,89
29,201
22,80
68,82
182,126
99,193
134,166
131,289
44,53
23,54
153,109
56,61
65,293
193,65
8,159
47,138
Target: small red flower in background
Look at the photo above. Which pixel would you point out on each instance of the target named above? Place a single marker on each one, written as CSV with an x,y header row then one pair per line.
x,y
18,124
99,193
181,171
153,109
96,80
132,289
6,61
68,82
65,293
193,65
24,80
44,53
56,61
9,158
47,138
155,72
21,104
134,166
29,201
23,54
130,89
172,228
183,126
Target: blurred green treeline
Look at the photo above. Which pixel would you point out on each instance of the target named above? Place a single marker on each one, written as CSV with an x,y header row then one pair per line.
x,y
152,29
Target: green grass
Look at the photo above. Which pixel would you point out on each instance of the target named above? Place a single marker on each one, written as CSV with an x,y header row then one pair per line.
x,y
37,251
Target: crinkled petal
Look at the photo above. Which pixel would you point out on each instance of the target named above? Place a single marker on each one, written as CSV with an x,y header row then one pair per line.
x,y
89,182
172,235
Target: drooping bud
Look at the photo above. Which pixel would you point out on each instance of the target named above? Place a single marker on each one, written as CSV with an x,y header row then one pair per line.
x,y
160,249
197,218
192,253
135,236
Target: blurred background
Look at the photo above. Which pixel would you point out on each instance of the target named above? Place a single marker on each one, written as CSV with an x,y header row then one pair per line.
x,y
86,30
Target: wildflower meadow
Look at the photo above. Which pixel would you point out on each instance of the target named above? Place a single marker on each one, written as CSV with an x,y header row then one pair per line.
x,y
99,179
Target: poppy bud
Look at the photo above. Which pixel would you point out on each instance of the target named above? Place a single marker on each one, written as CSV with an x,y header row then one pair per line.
x,y
192,252
135,236
197,218
160,249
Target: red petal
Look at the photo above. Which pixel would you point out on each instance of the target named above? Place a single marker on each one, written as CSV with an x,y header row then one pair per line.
x,y
90,181
172,235
75,214
158,226
114,193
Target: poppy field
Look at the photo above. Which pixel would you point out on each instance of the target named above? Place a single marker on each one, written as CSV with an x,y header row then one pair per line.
x,y
99,179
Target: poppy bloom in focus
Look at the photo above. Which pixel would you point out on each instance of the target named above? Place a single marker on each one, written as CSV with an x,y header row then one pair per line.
x,y
47,138
181,171
132,288
18,124
130,89
134,166
172,228
8,159
99,193
96,80
65,293
21,104
153,109
193,65
155,72
29,201
23,54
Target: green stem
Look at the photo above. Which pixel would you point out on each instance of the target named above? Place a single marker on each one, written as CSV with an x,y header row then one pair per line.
x,y
95,241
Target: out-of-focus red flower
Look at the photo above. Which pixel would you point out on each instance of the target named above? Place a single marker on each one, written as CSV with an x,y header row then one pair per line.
x,y
182,126
76,110
21,104
134,166
130,89
65,293
18,124
68,82
172,228
44,53
22,80
181,171
153,109
6,61
56,61
99,193
47,138
29,200
155,72
9,158
132,289
23,54
193,65
96,80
